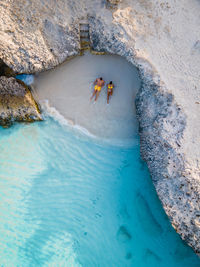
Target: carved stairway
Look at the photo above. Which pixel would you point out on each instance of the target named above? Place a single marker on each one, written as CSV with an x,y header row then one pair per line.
x,y
84,35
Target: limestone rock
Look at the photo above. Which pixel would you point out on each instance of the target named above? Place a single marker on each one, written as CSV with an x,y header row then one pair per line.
x,y
36,35
16,102
162,123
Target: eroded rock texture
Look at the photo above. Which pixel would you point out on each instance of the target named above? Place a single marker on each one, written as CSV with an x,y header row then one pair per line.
x,y
16,102
37,35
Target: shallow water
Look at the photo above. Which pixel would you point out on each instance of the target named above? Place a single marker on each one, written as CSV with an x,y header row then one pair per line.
x,y
69,200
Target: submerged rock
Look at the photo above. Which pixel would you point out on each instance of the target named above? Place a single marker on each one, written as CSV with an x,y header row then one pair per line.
x,y
152,227
150,256
123,234
16,102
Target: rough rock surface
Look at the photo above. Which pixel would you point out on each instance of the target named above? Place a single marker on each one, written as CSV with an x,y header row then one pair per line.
x,y
16,102
162,39
163,120
5,70
36,35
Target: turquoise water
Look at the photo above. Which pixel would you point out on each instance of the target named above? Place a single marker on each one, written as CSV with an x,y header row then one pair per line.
x,y
68,200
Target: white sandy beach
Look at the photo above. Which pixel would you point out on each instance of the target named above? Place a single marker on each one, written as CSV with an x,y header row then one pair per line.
x,y
163,39
68,89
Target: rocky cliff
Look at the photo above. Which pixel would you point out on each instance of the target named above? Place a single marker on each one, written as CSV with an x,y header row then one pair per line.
x,y
16,102
161,39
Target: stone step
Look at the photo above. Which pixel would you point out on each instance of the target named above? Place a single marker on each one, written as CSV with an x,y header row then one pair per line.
x,y
84,31
84,34
84,24
85,42
85,45
84,27
83,21
85,48
84,39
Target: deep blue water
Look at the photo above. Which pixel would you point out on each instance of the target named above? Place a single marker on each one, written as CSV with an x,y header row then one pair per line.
x,y
70,200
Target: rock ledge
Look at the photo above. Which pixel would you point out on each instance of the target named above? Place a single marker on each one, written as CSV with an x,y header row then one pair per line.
x,y
16,102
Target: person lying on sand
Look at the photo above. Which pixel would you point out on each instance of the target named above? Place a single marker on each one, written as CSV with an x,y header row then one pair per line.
x,y
110,87
98,84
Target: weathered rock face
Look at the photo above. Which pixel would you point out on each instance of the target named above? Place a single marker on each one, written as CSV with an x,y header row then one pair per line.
x,y
161,126
16,102
5,70
35,36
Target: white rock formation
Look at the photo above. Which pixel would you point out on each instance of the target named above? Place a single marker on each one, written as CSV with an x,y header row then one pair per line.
x,y
162,39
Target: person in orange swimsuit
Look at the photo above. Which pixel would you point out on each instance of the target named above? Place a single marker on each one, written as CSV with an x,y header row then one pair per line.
x,y
110,87
98,84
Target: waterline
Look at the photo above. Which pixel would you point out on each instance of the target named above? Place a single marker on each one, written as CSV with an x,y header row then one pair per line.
x,y
69,201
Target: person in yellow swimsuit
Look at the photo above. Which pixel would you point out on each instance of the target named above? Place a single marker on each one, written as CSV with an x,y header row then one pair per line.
x,y
98,84
110,87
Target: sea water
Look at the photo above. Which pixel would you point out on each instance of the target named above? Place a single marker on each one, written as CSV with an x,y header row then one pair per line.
x,y
73,188
71,200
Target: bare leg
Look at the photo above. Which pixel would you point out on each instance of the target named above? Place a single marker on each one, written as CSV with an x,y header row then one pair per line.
x,y
97,95
108,96
93,94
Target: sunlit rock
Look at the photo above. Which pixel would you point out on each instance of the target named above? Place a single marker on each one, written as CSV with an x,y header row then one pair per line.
x,y
16,102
